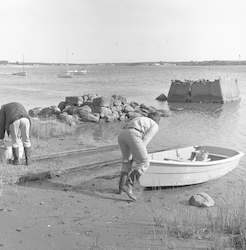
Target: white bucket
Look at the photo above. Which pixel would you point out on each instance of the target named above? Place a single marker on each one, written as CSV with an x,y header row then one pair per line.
x,y
6,152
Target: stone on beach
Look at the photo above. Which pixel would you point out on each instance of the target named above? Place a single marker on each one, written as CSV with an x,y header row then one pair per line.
x,y
201,200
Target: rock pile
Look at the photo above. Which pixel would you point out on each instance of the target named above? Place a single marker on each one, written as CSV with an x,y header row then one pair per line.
x,y
94,108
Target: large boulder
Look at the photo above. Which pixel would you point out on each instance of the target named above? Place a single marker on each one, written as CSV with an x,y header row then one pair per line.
x,y
84,110
103,101
34,112
74,100
103,111
128,108
72,110
62,105
90,118
68,119
46,112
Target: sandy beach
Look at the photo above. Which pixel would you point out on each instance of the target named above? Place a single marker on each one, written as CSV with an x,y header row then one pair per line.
x,y
82,210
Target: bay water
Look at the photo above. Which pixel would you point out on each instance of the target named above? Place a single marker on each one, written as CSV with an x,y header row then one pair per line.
x,y
220,125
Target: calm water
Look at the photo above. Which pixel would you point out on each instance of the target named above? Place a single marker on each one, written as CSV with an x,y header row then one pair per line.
x,y
212,124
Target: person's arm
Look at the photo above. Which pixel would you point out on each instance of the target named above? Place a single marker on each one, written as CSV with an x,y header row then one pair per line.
x,y
150,134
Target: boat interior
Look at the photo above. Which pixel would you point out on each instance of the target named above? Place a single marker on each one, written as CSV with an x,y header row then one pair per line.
x,y
193,153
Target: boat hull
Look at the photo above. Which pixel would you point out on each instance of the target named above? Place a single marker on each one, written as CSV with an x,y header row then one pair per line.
x,y
166,170
77,72
65,75
20,73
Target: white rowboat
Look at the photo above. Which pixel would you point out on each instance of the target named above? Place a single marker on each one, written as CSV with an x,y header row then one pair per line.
x,y
190,165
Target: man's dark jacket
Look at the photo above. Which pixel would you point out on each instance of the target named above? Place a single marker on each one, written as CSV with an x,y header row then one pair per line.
x,y
8,114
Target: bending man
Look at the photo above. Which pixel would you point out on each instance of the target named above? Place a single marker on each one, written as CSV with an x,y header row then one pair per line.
x,y
14,118
133,140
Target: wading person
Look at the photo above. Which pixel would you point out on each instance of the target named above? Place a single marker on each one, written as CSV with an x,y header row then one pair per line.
x,y
15,120
133,140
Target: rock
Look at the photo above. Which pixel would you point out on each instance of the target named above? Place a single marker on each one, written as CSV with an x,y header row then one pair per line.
x,y
34,112
103,101
68,119
133,115
201,200
84,110
161,97
121,98
123,117
62,105
109,118
134,105
128,108
102,110
46,112
74,100
117,102
90,118
72,110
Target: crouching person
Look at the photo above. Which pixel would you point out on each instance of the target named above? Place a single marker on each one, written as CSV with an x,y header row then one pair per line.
x,y
14,119
133,140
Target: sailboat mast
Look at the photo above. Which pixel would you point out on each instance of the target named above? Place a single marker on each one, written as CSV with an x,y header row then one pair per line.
x,y
67,60
23,64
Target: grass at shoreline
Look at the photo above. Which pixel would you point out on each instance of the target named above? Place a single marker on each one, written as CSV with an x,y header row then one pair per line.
x,y
42,131
218,228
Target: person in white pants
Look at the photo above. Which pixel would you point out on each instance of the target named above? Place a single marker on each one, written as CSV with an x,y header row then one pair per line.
x,y
133,140
14,119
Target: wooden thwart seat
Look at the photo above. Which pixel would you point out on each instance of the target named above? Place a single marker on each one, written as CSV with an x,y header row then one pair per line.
x,y
218,155
182,160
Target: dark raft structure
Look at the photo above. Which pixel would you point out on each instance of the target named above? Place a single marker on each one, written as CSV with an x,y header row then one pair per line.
x,y
221,90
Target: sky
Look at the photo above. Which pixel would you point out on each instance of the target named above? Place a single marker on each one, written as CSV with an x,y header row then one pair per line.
x,y
115,31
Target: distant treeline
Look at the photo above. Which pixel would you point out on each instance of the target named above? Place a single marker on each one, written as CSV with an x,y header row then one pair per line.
x,y
160,63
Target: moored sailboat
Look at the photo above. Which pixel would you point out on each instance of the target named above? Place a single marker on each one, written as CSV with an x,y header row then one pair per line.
x,y
66,74
21,73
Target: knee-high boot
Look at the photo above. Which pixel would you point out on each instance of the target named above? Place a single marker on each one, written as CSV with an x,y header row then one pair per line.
x,y
122,181
16,160
130,182
126,167
27,151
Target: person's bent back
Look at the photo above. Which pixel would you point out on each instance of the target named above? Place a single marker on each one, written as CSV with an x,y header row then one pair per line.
x,y
14,118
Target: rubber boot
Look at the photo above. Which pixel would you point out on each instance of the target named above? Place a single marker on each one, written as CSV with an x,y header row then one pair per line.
x,y
123,177
27,151
130,182
16,160
126,168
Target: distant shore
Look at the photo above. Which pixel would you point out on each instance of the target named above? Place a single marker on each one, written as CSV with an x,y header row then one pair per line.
x,y
158,63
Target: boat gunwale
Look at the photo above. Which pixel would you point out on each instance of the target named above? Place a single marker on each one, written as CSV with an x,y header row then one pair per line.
x,y
198,163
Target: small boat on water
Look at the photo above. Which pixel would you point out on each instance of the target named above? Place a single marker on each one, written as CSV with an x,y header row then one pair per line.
x,y
65,75
21,73
78,72
189,165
